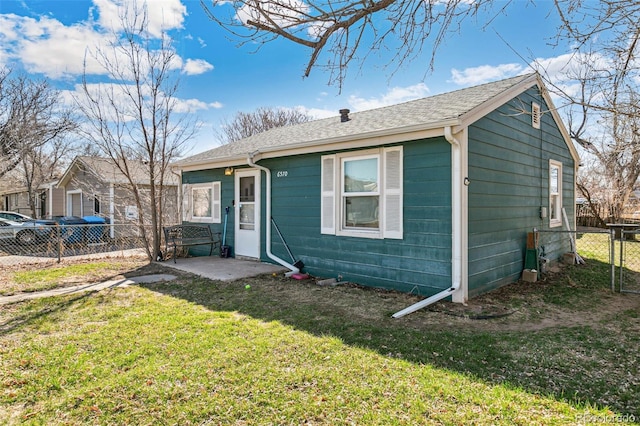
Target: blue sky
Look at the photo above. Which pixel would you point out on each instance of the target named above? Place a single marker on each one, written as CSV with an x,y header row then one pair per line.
x,y
48,39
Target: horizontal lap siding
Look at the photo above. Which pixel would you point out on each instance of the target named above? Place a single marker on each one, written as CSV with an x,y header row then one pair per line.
x,y
420,263
508,170
226,198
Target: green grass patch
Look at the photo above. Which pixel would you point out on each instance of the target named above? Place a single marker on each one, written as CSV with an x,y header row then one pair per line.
x,y
194,351
38,279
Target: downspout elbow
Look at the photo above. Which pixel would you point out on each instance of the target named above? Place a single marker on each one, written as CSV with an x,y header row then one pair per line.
x,y
448,135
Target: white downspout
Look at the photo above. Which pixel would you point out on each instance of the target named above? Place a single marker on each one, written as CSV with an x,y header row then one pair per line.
x,y
456,237
270,255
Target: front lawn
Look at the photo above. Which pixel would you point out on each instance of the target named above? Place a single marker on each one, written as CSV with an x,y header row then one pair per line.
x,y
195,351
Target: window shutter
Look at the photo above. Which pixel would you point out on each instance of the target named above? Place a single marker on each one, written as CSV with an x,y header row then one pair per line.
x,y
392,195
215,202
328,199
186,202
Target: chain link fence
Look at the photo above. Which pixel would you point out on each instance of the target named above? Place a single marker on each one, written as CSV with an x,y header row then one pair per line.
x,y
30,243
617,248
628,265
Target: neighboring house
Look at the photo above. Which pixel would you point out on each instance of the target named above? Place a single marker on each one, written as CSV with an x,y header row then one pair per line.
x,y
431,197
49,201
94,186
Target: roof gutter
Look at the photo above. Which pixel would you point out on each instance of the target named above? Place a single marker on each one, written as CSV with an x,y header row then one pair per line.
x,y
366,137
456,231
270,255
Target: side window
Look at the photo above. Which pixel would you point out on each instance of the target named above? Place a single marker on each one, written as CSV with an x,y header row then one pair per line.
x,y
96,204
362,193
555,193
202,202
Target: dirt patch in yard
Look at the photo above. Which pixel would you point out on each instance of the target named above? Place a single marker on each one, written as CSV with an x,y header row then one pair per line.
x,y
520,306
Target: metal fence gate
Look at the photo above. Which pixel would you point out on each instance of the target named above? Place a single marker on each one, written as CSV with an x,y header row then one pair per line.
x,y
617,248
628,264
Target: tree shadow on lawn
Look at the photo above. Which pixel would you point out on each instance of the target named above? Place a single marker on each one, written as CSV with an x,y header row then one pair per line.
x,y
568,351
44,308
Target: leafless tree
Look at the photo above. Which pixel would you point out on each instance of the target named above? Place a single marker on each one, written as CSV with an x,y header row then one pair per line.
x,y
42,164
32,117
245,124
339,29
600,89
134,119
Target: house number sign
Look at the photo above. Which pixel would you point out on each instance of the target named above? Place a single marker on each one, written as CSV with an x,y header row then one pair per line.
x,y
282,173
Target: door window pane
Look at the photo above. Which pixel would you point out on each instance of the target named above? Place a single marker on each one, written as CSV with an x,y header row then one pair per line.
x,y
247,189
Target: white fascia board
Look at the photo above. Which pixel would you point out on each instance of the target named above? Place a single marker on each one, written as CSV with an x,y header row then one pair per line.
x,y
485,108
358,141
493,103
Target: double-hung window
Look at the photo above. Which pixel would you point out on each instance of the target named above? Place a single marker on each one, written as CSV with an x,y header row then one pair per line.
x,y
362,193
202,202
555,193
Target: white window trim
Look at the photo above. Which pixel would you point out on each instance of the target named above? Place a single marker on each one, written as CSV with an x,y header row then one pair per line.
x,y
69,203
332,195
557,221
215,202
358,232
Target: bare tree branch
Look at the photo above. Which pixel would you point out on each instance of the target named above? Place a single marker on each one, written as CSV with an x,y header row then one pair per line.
x,y
133,119
244,124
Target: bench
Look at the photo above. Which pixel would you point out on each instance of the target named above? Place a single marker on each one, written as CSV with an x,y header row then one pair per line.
x,y
189,235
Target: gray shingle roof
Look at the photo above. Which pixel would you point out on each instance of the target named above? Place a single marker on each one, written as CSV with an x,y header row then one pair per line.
x,y
427,113
105,170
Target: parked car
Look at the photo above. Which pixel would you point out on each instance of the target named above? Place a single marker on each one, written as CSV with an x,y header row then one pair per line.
x,y
19,217
26,231
16,217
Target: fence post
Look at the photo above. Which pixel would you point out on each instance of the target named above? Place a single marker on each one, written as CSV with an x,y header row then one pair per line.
x,y
58,243
621,261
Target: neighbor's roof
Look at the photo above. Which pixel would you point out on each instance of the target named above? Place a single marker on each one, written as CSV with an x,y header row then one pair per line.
x,y
428,113
105,170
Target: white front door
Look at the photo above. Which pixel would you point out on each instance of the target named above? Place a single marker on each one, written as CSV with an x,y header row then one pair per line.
x,y
247,213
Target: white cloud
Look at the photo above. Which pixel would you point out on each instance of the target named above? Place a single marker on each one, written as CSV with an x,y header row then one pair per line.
x,y
46,45
484,73
394,96
283,13
119,97
163,15
196,66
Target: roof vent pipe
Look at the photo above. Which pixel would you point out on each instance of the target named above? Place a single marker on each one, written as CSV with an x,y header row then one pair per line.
x,y
344,115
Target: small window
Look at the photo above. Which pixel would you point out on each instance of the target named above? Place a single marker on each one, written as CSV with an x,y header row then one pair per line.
x,y
555,193
535,115
202,202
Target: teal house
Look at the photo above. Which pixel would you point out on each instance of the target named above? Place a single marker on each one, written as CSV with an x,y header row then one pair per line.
x,y
432,197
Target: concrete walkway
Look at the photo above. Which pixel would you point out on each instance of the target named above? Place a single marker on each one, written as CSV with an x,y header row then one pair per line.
x,y
5,300
221,269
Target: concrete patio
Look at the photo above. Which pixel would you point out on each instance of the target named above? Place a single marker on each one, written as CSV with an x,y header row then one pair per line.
x,y
222,269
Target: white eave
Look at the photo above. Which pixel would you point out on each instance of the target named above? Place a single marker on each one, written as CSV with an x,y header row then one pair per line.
x,y
361,140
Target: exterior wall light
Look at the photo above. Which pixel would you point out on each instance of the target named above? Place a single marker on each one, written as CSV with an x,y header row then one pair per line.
x,y
228,171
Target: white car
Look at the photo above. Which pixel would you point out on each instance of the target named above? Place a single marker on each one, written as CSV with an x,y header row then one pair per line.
x,y
16,217
27,231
